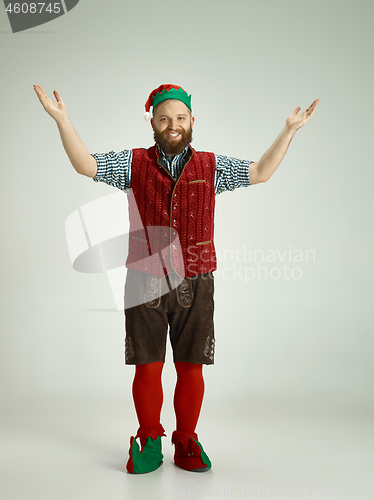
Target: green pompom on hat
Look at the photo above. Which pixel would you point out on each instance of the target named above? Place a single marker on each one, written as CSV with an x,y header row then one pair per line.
x,y
163,93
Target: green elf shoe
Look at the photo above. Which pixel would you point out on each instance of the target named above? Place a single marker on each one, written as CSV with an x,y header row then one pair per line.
x,y
149,458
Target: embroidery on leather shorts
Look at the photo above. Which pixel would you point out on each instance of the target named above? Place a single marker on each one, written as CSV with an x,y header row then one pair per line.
x,y
209,347
152,295
185,294
129,350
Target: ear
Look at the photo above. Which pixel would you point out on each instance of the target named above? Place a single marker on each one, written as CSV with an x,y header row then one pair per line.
x,y
192,121
152,123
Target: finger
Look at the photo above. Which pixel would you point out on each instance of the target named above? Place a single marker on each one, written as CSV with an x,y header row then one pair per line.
x,y
296,110
313,105
38,87
57,95
43,98
39,90
312,108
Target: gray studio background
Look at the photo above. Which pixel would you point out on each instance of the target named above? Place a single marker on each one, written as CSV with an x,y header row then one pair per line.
x,y
303,343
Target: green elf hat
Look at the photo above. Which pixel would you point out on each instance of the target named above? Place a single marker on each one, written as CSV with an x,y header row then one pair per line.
x,y
163,93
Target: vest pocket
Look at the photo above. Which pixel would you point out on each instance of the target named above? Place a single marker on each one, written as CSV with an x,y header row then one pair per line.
x,y
204,243
139,239
198,180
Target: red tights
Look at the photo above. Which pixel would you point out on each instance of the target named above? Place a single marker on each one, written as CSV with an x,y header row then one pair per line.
x,y
188,396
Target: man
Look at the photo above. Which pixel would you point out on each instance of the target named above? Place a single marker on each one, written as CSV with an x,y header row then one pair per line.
x,y
172,189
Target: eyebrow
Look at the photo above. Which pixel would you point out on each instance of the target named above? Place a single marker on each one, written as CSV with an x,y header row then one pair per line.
x,y
167,116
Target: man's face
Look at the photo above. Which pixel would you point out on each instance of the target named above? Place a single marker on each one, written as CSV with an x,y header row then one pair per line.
x,y
172,125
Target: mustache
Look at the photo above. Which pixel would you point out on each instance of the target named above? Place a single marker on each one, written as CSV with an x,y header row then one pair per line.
x,y
179,130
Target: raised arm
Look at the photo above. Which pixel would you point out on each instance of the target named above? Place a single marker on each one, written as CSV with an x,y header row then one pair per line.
x,y
80,158
262,170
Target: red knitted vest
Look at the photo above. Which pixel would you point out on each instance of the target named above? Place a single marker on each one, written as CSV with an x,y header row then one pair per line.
x,y
171,222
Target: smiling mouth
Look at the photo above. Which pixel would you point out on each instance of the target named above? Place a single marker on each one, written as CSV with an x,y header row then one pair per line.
x,y
173,135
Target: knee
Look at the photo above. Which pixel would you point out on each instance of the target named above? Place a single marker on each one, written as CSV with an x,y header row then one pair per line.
x,y
149,369
189,370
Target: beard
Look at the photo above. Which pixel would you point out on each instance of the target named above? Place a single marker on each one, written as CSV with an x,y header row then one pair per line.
x,y
172,146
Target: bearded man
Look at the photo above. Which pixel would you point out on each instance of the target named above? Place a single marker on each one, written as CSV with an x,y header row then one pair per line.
x,y
171,260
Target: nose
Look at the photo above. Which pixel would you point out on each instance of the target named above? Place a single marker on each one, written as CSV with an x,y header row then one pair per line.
x,y
173,123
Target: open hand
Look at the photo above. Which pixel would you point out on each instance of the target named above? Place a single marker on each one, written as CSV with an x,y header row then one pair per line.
x,y
56,109
295,121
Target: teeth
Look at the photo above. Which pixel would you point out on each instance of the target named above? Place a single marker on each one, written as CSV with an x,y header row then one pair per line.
x,y
173,135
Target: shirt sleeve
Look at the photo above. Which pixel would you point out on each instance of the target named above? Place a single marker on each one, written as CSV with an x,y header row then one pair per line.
x,y
231,173
114,168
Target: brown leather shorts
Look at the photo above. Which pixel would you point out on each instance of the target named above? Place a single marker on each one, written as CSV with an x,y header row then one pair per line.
x,y
187,308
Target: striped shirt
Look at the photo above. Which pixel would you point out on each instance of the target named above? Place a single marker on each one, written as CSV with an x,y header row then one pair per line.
x,y
115,169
